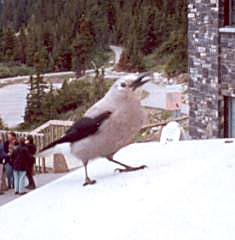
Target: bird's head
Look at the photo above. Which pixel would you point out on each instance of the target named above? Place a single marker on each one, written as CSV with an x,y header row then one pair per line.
x,y
126,85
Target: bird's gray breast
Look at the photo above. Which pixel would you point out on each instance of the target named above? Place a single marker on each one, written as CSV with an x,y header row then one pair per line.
x,y
114,133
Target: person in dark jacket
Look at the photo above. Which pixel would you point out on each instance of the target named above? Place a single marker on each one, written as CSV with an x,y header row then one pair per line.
x,y
20,159
3,156
32,149
9,147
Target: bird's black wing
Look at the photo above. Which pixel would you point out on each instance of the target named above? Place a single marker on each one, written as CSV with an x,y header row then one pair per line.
x,y
83,128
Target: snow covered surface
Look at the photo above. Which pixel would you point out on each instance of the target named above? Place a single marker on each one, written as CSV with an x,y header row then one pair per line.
x,y
13,103
159,94
13,97
187,192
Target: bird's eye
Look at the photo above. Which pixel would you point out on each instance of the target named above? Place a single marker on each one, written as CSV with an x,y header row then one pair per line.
x,y
123,84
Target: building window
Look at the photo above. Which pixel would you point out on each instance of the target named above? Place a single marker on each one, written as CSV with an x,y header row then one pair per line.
x,y
229,117
232,12
229,12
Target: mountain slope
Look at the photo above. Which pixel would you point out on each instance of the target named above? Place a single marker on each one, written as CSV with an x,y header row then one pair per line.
x,y
63,35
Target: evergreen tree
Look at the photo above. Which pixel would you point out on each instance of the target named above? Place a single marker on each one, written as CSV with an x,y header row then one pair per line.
x,y
1,46
132,58
150,40
29,109
98,84
68,99
31,47
20,48
41,60
63,57
34,111
69,34
8,44
83,46
2,125
49,104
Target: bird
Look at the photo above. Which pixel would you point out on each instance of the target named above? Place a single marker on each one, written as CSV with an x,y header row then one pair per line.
x,y
107,126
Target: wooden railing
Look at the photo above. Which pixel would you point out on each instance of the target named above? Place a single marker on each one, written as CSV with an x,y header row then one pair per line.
x,y
60,123
38,138
163,123
43,135
52,130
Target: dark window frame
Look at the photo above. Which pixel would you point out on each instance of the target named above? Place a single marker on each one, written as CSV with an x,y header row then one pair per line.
x,y
228,12
226,116
229,116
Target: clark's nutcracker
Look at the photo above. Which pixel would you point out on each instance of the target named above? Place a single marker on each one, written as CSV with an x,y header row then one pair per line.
x,y
107,126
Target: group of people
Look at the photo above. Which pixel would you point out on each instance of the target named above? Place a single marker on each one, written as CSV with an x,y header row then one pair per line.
x,y
17,162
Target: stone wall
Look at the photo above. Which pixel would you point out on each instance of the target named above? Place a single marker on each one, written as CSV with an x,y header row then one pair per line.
x,y
203,47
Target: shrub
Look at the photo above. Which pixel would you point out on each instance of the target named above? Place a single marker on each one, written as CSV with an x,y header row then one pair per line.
x,y
12,70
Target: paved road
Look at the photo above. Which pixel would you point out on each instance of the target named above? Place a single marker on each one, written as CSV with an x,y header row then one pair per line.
x,y
118,52
13,102
13,97
46,75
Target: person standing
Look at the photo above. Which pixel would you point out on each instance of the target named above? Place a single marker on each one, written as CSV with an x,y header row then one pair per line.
x,y
32,150
9,147
3,156
20,158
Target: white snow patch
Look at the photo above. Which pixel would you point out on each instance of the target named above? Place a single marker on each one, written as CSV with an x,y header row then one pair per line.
x,y
187,192
13,103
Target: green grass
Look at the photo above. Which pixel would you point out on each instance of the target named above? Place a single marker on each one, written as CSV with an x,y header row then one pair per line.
x,y
156,63
13,69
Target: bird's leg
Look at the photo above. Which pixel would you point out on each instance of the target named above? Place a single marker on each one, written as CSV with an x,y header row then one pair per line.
x,y
126,168
88,181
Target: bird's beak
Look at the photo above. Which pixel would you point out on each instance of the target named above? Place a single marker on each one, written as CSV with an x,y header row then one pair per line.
x,y
140,80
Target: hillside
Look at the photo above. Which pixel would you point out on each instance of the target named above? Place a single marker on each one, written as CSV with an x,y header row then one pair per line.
x,y
67,35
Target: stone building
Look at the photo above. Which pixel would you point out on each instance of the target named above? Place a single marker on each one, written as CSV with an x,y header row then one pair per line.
x,y
211,49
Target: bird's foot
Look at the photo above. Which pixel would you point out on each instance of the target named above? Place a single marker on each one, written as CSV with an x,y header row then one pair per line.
x,y
89,182
130,169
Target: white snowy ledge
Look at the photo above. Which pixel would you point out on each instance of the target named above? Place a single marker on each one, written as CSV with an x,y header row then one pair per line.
x,y
227,30
187,192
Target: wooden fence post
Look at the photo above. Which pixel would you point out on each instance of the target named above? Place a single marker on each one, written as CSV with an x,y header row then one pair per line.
x,y
59,163
43,165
